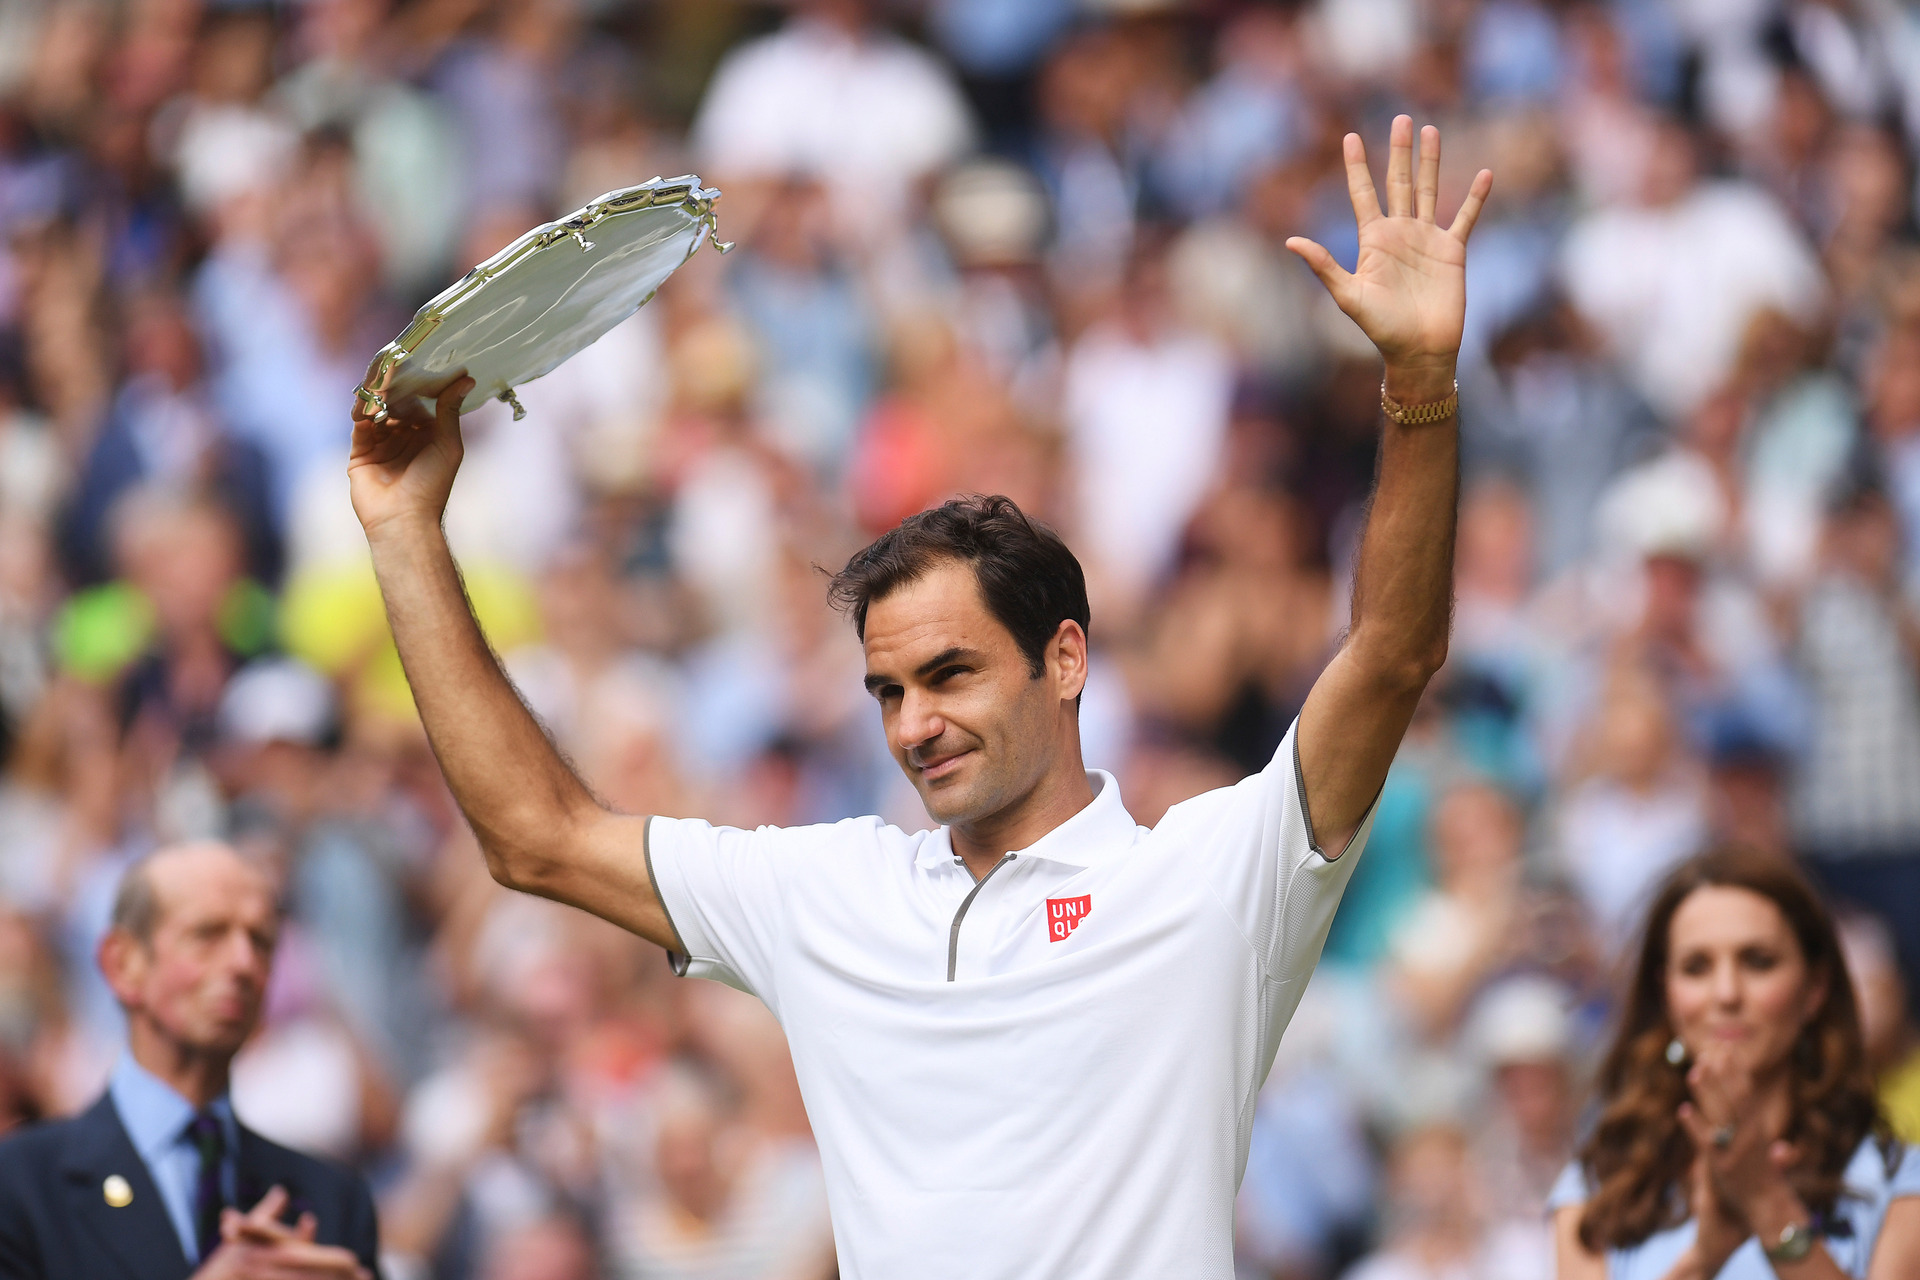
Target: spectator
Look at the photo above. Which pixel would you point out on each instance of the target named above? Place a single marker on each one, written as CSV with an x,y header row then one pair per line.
x,y
188,957
1856,799
831,97
1729,1137
1705,255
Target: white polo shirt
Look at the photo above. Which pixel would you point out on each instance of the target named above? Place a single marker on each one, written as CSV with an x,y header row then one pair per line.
x,y
1048,1073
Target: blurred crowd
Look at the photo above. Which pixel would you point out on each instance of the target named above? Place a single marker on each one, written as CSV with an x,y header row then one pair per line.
x,y
1030,247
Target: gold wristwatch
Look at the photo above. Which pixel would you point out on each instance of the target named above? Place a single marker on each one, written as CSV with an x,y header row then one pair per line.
x,y
1420,415
1795,1243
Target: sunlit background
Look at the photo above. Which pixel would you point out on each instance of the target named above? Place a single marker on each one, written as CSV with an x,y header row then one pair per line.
x,y
1019,246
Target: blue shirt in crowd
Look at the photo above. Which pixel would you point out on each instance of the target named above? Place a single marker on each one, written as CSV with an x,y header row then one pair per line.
x,y
1870,1189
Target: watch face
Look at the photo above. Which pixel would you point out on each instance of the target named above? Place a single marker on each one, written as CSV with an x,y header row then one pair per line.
x,y
1795,1243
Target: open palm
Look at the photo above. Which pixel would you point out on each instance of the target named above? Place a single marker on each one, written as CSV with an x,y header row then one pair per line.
x,y
1408,289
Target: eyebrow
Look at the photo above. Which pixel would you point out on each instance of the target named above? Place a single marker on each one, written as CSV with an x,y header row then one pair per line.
x,y
945,657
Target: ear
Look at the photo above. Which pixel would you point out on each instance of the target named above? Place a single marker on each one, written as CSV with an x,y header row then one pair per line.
x,y
123,961
1067,659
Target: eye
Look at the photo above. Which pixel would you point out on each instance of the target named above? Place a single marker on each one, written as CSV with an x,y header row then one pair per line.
x,y
944,674
1759,959
884,692
1696,964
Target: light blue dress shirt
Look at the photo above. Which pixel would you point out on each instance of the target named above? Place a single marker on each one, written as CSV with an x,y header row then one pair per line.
x,y
1870,1189
156,1119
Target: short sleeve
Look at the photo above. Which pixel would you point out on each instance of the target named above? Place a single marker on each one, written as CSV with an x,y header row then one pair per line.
x,y
1906,1174
724,890
1569,1189
1253,845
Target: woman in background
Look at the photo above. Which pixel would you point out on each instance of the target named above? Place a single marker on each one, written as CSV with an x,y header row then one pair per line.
x,y
1738,1136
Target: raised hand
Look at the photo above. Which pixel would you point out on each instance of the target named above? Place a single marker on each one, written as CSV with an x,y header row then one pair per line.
x,y
1408,290
402,468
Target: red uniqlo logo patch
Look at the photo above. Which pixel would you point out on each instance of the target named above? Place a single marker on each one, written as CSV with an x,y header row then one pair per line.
x,y
1065,914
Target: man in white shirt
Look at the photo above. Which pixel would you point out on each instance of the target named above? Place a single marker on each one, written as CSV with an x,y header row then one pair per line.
x,y
833,95
1030,1040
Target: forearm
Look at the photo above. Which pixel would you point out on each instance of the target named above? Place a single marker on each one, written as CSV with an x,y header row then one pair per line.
x,y
517,793
1359,708
1403,578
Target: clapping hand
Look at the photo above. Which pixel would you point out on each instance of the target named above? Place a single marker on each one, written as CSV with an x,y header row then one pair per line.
x,y
1739,1177
1408,290
256,1245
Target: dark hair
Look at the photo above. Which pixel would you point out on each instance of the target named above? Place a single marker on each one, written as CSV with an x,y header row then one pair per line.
x,y
1028,579
1638,1155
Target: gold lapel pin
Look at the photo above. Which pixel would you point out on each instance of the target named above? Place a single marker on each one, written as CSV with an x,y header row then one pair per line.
x,y
117,1190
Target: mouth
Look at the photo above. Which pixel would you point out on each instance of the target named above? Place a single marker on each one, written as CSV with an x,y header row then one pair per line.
x,y
940,768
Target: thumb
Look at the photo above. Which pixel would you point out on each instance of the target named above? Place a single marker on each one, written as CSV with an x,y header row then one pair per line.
x,y
1315,255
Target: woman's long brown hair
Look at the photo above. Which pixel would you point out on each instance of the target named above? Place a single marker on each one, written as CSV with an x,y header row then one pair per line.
x,y
1637,1158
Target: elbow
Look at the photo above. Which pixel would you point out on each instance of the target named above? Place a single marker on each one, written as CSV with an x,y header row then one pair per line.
x,y
511,867
1405,671
520,859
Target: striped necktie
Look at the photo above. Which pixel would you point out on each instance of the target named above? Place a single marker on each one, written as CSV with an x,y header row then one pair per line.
x,y
210,1140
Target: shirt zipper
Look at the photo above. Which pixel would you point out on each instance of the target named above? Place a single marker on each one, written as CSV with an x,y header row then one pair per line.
x,y
953,935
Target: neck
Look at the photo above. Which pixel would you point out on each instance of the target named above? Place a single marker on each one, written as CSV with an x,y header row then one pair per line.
x,y
197,1075
1060,794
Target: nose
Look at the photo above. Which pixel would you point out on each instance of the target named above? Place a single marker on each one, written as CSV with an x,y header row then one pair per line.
x,y
244,955
920,721
1727,987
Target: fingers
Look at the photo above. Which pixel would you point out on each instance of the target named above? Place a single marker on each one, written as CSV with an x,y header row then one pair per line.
x,y
260,1224
1470,207
1399,168
1331,273
303,1260
446,407
1366,201
269,1209
1426,189
1696,1127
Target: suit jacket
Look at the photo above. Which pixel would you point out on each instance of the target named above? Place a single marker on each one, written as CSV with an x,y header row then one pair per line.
x,y
56,1222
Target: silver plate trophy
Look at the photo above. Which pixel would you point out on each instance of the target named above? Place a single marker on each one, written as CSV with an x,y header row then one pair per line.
x,y
549,294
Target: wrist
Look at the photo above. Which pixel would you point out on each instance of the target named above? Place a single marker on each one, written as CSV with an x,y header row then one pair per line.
x,y
1774,1210
1415,382
409,528
1696,1264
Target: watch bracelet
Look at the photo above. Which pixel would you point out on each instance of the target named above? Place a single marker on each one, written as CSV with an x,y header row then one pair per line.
x,y
1420,415
1795,1242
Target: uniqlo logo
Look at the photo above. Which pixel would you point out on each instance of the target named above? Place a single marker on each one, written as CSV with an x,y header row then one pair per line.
x,y
1065,914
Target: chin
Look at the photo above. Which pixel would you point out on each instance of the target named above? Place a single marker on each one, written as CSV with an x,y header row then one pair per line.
x,y
957,802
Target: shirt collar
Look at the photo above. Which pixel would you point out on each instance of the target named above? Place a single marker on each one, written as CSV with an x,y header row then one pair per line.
x,y
1102,828
153,1112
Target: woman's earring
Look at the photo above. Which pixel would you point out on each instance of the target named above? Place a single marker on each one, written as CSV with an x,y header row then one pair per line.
x,y
1676,1051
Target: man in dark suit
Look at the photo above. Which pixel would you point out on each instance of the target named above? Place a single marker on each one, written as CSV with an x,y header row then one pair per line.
x,y
149,1183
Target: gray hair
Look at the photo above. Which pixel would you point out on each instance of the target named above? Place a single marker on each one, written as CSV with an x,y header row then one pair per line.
x,y
136,907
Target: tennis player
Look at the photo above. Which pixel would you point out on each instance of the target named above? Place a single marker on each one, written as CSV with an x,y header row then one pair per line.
x,y
1029,1039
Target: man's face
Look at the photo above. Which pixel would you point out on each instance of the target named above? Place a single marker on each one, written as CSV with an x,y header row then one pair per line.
x,y
972,726
199,982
